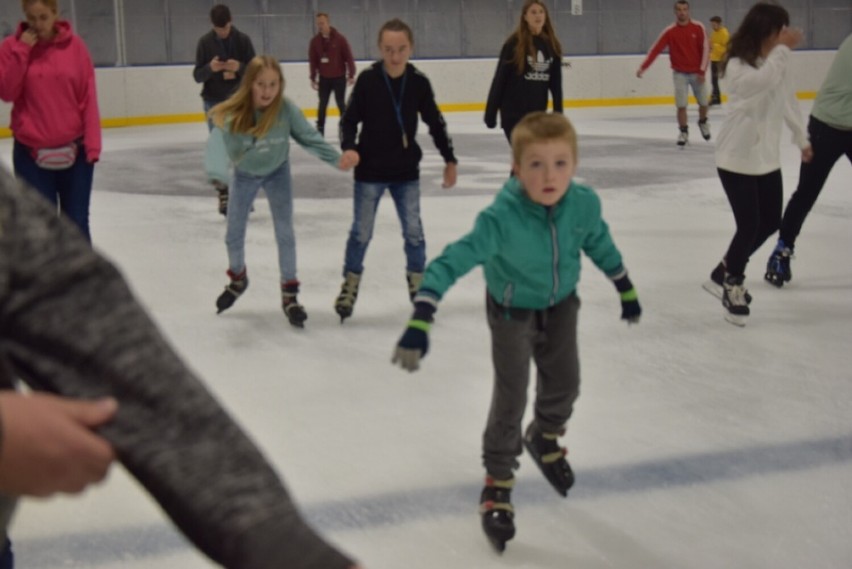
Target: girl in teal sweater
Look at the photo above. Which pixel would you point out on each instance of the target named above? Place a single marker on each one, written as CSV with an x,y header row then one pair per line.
x,y
252,131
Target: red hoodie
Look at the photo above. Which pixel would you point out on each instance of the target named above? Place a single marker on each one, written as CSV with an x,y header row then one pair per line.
x,y
689,48
51,86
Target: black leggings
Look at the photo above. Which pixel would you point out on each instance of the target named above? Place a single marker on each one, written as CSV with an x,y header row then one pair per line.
x,y
829,144
756,202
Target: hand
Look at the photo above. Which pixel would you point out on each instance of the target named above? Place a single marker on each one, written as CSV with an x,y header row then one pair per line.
x,y
232,65
701,78
791,37
491,122
807,154
29,37
413,345
49,445
640,72
449,175
630,309
314,85
350,81
349,159
217,64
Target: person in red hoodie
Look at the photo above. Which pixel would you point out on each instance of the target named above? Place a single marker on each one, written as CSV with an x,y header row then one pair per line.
x,y
689,52
46,72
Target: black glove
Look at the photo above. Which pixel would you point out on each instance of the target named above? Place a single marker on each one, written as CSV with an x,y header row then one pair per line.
x,y
490,121
630,309
414,343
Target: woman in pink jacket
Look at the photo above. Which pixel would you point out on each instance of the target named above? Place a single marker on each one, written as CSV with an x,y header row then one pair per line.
x,y
47,74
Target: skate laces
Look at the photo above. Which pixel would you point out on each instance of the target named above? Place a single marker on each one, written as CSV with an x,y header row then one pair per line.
x,y
239,282
736,294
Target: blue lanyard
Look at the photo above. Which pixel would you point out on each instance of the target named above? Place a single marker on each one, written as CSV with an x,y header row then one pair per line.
x,y
397,105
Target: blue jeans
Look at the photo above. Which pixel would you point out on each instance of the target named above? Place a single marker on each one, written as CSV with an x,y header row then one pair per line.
x,y
279,192
207,106
406,198
70,190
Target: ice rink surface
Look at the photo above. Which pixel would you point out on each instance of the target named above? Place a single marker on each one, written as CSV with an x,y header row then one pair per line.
x,y
697,444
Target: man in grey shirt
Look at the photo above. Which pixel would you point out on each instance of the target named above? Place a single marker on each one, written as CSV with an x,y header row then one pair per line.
x,y
70,326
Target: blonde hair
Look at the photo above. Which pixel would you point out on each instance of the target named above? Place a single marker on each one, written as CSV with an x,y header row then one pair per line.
x,y
540,126
524,36
49,4
239,107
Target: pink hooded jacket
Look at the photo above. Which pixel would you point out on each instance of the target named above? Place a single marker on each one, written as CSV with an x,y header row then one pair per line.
x,y
51,86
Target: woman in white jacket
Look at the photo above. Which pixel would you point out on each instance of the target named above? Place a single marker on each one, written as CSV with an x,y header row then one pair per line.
x,y
761,98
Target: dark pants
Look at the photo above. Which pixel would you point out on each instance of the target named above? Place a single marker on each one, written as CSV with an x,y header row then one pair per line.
x,y
70,190
549,338
715,69
756,202
326,86
7,559
828,144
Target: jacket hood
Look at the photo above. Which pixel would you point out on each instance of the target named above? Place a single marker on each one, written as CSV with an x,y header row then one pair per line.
x,y
63,31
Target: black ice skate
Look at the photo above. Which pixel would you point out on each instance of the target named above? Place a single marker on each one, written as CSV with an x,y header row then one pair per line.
x,y
294,311
715,285
498,516
550,458
222,192
238,285
345,303
734,300
778,266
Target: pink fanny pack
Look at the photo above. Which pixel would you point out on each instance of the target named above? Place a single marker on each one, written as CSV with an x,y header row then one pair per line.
x,y
59,158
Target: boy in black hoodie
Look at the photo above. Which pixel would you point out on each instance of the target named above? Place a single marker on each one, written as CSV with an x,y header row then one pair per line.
x,y
386,101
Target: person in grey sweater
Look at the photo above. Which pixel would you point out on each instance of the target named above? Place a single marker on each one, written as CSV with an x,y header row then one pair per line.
x,y
70,326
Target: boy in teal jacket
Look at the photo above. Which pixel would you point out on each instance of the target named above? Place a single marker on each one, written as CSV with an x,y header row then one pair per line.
x,y
529,242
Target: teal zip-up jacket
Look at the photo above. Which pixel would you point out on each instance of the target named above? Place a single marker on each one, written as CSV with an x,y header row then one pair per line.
x,y
262,156
530,253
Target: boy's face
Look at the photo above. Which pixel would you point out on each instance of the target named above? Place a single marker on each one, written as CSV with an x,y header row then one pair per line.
x,y
396,49
545,170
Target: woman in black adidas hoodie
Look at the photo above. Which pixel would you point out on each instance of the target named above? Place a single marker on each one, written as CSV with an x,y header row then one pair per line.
x,y
530,65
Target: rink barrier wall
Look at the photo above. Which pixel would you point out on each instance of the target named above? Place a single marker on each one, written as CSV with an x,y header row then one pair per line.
x,y
138,96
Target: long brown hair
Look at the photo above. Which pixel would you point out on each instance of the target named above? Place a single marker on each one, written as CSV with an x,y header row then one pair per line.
x,y
524,37
763,21
239,107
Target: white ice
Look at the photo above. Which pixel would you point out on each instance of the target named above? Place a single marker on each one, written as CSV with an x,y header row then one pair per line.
x,y
696,444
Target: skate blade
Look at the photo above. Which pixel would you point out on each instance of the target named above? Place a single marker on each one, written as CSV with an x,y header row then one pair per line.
x,y
735,319
712,288
554,482
498,544
344,313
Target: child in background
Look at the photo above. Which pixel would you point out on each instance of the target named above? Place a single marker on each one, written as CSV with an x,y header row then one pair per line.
x,y
252,130
386,101
529,242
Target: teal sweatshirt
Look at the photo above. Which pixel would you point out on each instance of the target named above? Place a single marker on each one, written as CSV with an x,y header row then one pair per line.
x,y
530,253
262,156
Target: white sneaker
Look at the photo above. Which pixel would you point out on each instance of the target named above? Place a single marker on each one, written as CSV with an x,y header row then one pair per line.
x,y
704,127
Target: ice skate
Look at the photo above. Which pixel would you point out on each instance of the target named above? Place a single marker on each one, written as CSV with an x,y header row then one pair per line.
x,y
778,266
550,458
345,303
498,516
683,137
294,311
734,300
414,280
238,285
704,127
222,192
715,284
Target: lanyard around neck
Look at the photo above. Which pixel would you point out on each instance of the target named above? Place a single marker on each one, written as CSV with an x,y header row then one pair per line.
x,y
397,104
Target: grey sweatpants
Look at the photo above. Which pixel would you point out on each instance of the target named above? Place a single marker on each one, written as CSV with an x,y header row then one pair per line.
x,y
549,338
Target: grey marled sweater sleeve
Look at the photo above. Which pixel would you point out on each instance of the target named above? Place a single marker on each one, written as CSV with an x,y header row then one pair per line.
x,y
70,325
